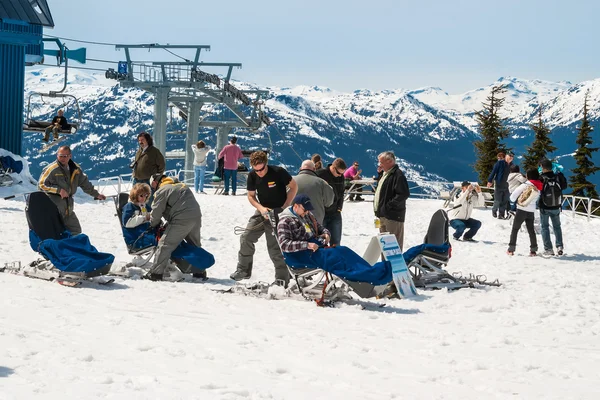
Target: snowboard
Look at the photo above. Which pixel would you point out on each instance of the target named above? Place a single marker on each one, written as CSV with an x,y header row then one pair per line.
x,y
49,145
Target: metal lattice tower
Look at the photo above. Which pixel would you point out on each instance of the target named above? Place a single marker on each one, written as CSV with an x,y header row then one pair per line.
x,y
186,85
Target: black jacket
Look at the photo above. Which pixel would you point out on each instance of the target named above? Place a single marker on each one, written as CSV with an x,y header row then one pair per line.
x,y
562,181
392,197
338,185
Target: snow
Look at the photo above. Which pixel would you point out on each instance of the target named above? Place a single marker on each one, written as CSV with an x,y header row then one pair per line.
x,y
534,337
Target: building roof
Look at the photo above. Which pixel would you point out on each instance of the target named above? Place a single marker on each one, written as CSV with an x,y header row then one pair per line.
x,y
32,11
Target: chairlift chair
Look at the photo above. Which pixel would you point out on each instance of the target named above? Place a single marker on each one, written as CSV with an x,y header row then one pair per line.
x,y
37,125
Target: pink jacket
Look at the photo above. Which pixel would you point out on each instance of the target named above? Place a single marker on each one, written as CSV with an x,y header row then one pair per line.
x,y
232,154
351,173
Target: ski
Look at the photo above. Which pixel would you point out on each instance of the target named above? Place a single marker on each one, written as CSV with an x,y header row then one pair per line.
x,y
51,144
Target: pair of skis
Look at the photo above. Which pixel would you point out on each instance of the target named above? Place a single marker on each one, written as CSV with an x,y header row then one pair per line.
x,y
42,269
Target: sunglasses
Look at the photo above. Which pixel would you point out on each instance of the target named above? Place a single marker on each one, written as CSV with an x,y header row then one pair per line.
x,y
259,170
63,155
339,172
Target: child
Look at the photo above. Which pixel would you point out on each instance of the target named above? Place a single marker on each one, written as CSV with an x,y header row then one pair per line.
x,y
515,179
526,196
136,218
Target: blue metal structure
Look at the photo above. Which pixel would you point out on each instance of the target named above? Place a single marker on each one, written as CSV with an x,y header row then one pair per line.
x,y
21,23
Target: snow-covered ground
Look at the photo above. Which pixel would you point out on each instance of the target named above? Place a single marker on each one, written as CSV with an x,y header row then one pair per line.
x,y
537,336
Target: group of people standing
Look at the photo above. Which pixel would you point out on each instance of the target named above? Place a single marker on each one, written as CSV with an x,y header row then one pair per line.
x,y
270,189
519,196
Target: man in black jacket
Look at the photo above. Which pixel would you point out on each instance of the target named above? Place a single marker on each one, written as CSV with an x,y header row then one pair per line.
x,y
390,197
550,208
334,176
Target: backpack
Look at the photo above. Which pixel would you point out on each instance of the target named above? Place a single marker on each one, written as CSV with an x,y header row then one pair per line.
x,y
527,196
551,194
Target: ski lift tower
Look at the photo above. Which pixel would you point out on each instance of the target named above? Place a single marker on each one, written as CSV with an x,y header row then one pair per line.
x,y
187,85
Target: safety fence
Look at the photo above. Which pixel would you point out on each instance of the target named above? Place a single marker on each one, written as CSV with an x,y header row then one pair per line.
x,y
579,206
583,206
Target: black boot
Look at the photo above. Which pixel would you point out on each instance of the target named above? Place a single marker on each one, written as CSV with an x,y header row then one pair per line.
x,y
200,275
153,277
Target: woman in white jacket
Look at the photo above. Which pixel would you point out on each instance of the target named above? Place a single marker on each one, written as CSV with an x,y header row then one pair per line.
x,y
526,196
200,150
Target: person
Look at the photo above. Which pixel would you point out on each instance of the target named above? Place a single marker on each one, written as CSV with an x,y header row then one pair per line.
x,y
176,203
303,239
334,176
298,228
499,176
316,159
59,123
460,217
551,206
230,155
514,180
526,197
60,180
389,203
200,150
148,160
135,218
353,174
269,188
314,187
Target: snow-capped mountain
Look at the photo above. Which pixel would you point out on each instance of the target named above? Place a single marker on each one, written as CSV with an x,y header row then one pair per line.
x,y
428,129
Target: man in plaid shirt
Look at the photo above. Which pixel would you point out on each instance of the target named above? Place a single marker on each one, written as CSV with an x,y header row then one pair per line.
x,y
298,229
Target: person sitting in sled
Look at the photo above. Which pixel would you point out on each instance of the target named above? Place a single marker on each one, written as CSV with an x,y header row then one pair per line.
x,y
303,239
136,218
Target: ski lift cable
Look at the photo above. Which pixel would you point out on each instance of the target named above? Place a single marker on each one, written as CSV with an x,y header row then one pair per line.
x,y
81,41
286,141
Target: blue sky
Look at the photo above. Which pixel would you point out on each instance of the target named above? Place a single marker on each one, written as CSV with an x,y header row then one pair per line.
x,y
457,45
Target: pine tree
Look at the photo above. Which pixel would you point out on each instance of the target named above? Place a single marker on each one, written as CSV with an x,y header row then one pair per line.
x,y
492,130
583,157
541,146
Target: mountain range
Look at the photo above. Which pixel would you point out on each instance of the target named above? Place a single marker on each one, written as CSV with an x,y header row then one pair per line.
x,y
430,131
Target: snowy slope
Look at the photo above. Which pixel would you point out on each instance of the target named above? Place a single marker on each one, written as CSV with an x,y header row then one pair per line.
x,y
535,337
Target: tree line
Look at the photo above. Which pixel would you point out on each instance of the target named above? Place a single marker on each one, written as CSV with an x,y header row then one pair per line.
x,y
493,130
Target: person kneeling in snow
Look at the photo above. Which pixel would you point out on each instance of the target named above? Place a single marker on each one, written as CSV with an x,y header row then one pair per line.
x,y
136,218
176,203
526,197
460,217
303,239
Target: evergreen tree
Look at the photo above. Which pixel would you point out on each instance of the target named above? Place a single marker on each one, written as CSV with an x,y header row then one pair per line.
x,y
583,157
492,130
541,146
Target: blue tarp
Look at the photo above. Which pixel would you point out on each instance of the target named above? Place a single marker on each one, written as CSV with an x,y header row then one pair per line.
x,y
10,163
71,254
196,256
343,262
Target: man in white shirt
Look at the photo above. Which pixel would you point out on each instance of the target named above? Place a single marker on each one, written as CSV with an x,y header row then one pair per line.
x,y
460,217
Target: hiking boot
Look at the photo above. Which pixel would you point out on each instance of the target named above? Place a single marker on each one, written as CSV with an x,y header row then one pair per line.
x,y
495,215
238,275
502,217
469,240
510,252
233,193
153,277
548,253
559,250
225,193
200,275
45,140
358,198
532,254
